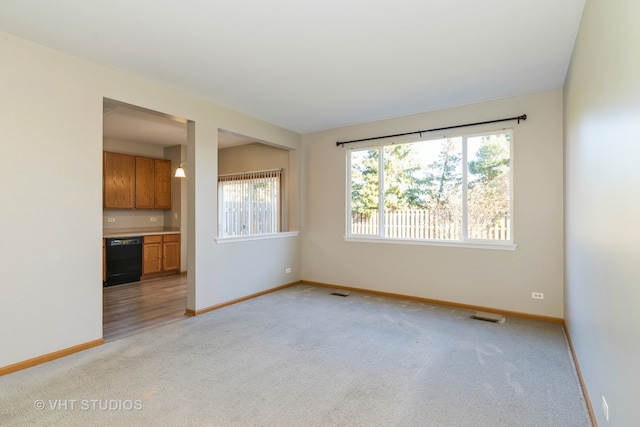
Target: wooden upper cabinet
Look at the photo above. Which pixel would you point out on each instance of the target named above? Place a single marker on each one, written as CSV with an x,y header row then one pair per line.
x,y
118,181
136,182
162,184
145,183
153,183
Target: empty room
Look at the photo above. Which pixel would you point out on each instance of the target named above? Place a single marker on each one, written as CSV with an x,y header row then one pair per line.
x,y
365,213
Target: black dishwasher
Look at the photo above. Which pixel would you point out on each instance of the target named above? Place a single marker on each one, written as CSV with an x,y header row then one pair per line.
x,y
124,260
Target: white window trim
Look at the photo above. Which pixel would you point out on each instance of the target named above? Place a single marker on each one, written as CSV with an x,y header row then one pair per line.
x,y
508,245
474,244
236,239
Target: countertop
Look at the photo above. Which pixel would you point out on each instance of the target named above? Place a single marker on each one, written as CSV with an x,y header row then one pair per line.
x,y
130,232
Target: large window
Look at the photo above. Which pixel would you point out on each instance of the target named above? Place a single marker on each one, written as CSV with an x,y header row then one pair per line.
x,y
249,203
455,189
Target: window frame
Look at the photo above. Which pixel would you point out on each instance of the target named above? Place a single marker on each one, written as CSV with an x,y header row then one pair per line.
x,y
464,242
244,177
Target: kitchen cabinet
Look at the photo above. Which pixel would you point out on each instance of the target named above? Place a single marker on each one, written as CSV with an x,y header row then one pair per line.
x,y
153,183
162,183
136,182
144,183
152,255
171,252
118,181
160,254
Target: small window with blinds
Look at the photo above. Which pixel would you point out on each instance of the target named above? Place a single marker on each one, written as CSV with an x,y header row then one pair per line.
x,y
249,203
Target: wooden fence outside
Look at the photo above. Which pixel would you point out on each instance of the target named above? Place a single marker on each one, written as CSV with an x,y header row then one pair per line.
x,y
425,224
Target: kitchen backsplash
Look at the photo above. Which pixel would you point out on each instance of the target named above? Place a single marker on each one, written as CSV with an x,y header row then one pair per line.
x,y
133,218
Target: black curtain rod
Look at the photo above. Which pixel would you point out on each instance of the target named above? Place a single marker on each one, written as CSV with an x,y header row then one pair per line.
x,y
518,118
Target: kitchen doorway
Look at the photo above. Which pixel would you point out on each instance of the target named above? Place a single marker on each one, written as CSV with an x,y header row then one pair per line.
x,y
145,135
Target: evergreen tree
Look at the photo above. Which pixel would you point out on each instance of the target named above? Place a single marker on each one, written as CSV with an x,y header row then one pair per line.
x,y
489,182
444,177
401,186
364,182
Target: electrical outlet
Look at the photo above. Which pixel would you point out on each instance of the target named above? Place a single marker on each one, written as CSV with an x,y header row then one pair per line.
x,y
175,215
537,295
111,220
605,408
154,219
287,270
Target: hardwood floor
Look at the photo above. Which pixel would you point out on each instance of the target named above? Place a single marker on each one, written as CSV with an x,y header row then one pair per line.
x,y
134,307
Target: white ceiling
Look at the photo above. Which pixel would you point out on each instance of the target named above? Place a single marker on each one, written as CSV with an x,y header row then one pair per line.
x,y
313,65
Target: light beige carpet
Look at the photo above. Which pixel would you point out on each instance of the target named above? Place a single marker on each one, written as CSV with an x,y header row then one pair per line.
x,y
303,357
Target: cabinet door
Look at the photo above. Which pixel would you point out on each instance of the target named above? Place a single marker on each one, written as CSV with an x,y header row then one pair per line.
x,y
145,183
152,255
162,184
118,181
171,252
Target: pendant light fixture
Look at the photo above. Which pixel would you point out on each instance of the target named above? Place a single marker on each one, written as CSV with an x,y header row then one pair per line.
x,y
180,171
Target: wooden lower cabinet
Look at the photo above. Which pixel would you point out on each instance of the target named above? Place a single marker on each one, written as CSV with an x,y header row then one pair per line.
x,y
171,252
160,255
152,255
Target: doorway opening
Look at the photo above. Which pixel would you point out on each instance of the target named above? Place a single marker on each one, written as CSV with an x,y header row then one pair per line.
x,y
145,201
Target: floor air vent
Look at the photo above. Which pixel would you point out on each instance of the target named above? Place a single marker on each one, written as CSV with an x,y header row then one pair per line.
x,y
488,317
340,293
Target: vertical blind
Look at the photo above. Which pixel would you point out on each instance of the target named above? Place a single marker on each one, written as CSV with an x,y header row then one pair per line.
x,y
249,203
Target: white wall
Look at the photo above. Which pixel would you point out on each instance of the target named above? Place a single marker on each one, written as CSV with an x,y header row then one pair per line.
x,y
177,154
602,174
488,278
252,157
51,180
172,217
